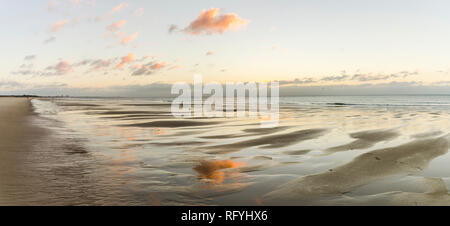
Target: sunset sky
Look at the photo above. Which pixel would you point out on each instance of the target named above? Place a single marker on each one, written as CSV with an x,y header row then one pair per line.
x,y
67,45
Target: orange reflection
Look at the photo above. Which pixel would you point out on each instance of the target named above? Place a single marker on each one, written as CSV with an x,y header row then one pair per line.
x,y
211,170
159,131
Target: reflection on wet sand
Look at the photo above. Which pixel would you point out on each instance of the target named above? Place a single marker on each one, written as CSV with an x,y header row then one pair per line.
x,y
173,123
212,170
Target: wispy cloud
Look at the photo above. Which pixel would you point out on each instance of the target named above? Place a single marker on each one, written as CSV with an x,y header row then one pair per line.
x,y
376,77
210,22
113,11
130,38
357,77
172,28
119,7
58,25
52,6
61,68
335,78
29,57
209,53
149,68
49,40
98,64
297,81
116,26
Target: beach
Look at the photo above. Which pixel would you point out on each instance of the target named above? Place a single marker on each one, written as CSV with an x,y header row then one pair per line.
x,y
16,142
128,151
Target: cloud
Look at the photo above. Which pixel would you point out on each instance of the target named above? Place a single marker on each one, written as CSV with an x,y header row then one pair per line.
x,y
209,53
49,40
174,67
29,57
145,57
130,38
26,66
173,28
335,78
26,72
10,84
210,22
443,72
58,25
83,62
149,68
405,74
360,77
61,68
116,26
142,71
158,65
114,10
377,77
98,64
297,81
119,7
126,59
52,6
370,77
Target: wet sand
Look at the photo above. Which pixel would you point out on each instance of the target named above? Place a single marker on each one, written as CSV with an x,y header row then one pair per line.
x,y
410,157
365,139
273,141
133,152
17,136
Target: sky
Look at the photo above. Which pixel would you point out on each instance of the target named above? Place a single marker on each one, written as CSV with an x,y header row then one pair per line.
x,y
109,47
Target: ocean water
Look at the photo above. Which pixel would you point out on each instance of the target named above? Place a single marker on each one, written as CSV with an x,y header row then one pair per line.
x,y
327,150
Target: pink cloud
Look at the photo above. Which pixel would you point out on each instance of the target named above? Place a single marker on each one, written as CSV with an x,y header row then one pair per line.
x,y
119,7
209,53
159,65
58,25
130,38
174,67
116,26
126,59
116,9
210,22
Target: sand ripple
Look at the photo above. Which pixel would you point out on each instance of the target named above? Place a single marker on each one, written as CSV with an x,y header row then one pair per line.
x,y
365,168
